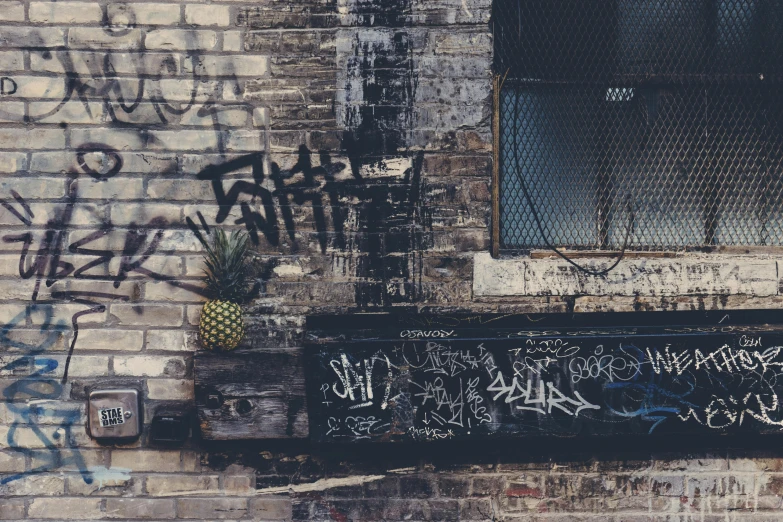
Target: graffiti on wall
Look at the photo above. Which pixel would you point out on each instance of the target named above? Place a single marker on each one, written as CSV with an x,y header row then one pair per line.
x,y
366,206
442,384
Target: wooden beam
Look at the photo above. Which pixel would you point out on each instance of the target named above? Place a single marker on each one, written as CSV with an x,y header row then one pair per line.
x,y
258,395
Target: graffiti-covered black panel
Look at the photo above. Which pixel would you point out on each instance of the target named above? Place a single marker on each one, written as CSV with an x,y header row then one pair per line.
x,y
393,377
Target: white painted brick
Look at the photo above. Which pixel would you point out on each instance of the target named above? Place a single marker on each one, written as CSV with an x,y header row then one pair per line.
x,y
11,462
128,14
41,485
193,314
225,116
149,366
11,61
163,291
25,437
66,508
115,340
244,140
111,483
260,116
11,162
238,65
232,41
147,315
181,39
48,87
160,461
11,11
219,15
165,265
33,188
114,189
170,340
132,162
97,38
75,111
166,485
210,211
170,389
186,90
140,213
690,275
65,12
190,140
32,139
118,139
24,37
181,189
84,63
64,313
81,365
12,112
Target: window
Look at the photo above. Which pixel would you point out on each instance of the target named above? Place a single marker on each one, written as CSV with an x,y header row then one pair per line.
x,y
646,124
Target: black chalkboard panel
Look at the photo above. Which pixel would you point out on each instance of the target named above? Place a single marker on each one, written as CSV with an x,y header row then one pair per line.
x,y
376,377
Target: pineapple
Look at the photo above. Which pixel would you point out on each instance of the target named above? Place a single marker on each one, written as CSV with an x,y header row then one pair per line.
x,y
227,276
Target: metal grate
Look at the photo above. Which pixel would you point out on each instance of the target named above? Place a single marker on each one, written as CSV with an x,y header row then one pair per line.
x,y
646,124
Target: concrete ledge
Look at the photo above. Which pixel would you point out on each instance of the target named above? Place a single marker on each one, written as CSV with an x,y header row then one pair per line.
x,y
686,275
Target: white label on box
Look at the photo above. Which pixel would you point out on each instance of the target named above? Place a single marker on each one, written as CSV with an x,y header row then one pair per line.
x,y
111,417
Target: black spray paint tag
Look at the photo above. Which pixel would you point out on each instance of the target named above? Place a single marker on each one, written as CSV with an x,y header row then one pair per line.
x,y
111,417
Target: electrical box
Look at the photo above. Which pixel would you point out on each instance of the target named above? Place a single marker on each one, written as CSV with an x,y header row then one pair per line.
x,y
114,414
170,427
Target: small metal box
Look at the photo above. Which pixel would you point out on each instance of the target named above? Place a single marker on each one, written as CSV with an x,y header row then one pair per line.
x,y
114,414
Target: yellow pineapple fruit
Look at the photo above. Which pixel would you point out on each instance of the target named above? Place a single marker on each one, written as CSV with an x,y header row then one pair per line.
x,y
226,276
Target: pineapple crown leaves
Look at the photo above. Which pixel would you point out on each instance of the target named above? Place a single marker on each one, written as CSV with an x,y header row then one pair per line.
x,y
227,273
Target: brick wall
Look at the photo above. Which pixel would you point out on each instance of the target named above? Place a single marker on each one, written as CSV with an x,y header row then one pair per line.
x,y
352,139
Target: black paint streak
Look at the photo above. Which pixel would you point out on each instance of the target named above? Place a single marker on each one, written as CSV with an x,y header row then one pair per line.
x,y
385,115
391,219
109,152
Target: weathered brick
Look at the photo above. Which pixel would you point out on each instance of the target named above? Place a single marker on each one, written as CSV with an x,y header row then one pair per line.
x,y
147,315
118,189
111,483
165,291
150,366
11,61
114,340
66,508
102,163
141,213
11,11
199,14
181,40
32,139
11,509
72,112
233,65
140,508
65,12
129,14
11,462
160,461
232,41
39,485
97,38
217,508
166,485
11,162
170,389
270,508
186,140
170,340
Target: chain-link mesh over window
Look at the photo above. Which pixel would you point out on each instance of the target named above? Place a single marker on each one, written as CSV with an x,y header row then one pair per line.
x,y
646,124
